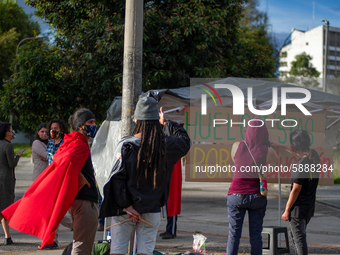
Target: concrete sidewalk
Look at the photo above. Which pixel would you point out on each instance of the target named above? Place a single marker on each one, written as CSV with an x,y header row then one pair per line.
x,y
204,211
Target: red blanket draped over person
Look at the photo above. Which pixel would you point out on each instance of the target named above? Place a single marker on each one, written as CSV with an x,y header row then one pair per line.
x,y
40,210
175,192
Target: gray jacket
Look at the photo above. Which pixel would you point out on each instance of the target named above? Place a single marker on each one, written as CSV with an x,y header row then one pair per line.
x,y
7,176
7,160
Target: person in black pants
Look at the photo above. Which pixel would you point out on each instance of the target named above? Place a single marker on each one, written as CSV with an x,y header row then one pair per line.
x,y
301,202
173,204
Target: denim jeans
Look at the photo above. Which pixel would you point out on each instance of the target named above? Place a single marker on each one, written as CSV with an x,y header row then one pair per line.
x,y
297,234
238,204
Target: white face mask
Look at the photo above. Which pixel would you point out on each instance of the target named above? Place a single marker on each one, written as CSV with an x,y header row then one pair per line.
x,y
12,133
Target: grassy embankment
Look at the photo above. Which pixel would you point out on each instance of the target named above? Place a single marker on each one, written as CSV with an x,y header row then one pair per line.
x,y
18,146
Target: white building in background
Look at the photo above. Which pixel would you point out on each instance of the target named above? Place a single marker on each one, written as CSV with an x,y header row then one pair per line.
x,y
313,43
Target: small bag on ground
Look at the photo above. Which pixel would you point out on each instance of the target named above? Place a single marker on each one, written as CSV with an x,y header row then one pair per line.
x,y
101,248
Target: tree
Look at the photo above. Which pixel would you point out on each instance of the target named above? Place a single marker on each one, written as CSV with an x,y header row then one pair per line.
x,y
302,71
15,24
254,61
303,67
254,25
182,39
38,92
7,40
8,37
253,33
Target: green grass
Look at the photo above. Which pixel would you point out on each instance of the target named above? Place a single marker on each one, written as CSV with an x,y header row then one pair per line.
x,y
18,146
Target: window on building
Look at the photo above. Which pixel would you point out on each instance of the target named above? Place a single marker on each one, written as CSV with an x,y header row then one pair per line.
x,y
332,62
332,39
307,43
283,74
331,53
283,63
283,54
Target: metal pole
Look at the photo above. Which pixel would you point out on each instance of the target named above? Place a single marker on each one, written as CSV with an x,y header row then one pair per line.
x,y
132,66
326,56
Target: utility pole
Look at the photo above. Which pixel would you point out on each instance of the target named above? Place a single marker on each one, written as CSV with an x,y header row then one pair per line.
x,y
132,66
326,56
132,69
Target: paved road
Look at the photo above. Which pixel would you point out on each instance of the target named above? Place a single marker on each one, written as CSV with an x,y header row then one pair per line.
x,y
204,211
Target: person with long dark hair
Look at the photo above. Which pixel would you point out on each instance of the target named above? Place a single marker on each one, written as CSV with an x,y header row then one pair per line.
x,y
139,182
7,176
300,206
57,128
244,193
39,152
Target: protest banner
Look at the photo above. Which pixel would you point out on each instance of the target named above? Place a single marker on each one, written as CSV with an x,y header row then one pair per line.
x,y
213,135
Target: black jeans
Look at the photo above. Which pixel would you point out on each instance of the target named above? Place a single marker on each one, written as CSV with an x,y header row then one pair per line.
x,y
297,234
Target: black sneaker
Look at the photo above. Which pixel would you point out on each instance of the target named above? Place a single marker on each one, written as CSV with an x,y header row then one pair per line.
x,y
8,241
162,234
50,247
168,236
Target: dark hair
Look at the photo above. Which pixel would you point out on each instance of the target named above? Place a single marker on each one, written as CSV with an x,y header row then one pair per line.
x,y
79,117
4,128
151,159
62,125
300,141
36,136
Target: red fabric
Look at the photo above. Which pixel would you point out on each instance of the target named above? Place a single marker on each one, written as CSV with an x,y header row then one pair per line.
x,y
40,210
175,192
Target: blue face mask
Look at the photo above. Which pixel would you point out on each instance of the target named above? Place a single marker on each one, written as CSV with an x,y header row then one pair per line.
x,y
90,130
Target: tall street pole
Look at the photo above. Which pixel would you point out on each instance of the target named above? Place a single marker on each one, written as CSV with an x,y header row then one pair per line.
x,y
132,70
132,65
326,56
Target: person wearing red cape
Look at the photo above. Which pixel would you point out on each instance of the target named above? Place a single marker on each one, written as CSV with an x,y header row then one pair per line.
x,y
67,184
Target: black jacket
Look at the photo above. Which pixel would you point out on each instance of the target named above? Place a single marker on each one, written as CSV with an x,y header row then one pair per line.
x,y
121,190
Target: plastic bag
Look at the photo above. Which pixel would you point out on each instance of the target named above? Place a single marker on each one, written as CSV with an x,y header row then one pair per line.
x,y
198,245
